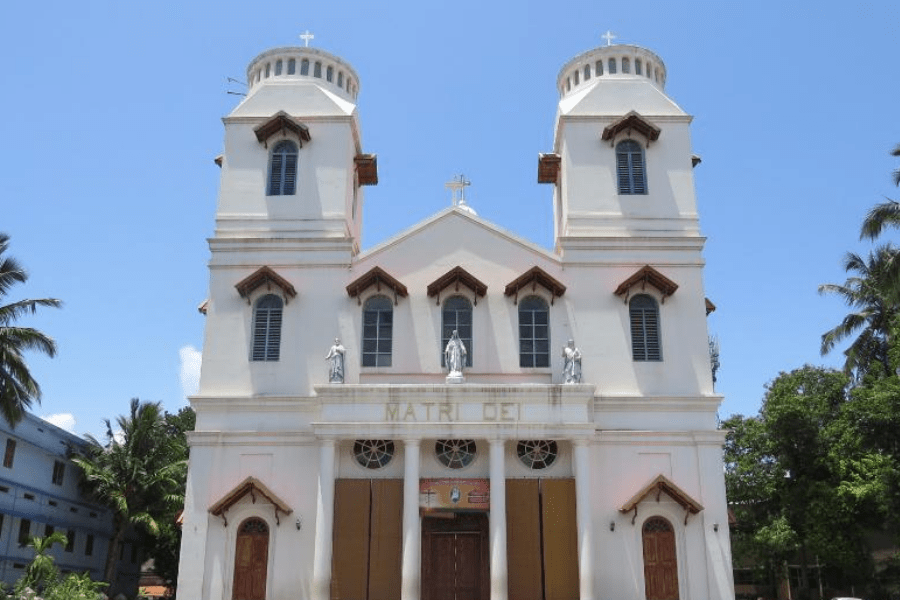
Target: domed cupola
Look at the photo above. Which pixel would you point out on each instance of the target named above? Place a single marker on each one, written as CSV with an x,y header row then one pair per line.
x,y
619,61
287,65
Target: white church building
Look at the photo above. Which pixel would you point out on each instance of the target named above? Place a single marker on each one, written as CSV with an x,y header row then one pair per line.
x,y
453,444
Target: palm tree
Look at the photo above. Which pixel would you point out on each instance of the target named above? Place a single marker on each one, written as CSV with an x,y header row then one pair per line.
x,y
18,389
137,473
41,571
873,298
886,213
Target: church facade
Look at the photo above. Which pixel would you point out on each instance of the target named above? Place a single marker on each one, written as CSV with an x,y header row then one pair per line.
x,y
493,420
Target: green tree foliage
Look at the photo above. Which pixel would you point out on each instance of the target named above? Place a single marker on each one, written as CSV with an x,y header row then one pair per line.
x,y
138,472
884,214
42,576
786,474
18,389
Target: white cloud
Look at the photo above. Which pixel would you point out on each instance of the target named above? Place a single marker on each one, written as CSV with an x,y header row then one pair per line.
x,y
62,420
190,370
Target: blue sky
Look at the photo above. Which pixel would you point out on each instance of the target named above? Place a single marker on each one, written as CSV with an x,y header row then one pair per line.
x,y
110,121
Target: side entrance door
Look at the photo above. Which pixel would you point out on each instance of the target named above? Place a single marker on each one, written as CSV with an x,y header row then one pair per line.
x,y
660,563
455,557
251,559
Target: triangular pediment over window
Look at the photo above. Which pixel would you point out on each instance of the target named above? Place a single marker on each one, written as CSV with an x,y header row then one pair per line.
x,y
282,123
455,277
662,484
377,277
264,276
533,277
647,275
257,491
629,123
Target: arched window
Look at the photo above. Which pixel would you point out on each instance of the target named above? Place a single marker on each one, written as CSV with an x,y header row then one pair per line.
x,y
598,68
283,169
626,65
267,328
612,66
457,316
534,332
329,73
340,81
251,560
643,313
278,65
637,66
292,66
304,66
378,332
268,69
660,561
575,76
630,171
587,72
317,69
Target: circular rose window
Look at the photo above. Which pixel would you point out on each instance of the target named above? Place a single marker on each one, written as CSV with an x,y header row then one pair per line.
x,y
537,454
373,454
455,454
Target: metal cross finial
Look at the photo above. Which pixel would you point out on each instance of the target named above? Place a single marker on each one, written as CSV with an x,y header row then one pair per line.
x,y
609,36
306,36
457,187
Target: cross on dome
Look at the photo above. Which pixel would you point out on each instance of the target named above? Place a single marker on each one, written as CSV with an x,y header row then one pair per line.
x,y
306,36
457,187
609,36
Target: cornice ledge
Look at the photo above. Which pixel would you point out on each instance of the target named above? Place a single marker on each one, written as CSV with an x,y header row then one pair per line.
x,y
610,403
407,392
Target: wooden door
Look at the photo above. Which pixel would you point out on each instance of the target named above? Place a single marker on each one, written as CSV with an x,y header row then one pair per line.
x,y
660,563
251,559
455,558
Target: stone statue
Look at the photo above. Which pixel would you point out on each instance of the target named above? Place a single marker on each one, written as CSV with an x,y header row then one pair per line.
x,y
455,355
572,367
335,358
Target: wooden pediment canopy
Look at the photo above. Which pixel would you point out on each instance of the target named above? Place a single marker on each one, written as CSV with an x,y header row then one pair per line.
x,y
631,122
710,307
281,122
548,167
535,276
256,489
267,277
658,486
646,275
378,277
366,169
455,277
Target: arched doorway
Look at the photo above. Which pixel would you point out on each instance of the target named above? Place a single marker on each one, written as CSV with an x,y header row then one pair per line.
x,y
251,558
660,563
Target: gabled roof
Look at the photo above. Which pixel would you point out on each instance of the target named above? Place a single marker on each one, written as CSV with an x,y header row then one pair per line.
x,y
659,485
644,276
376,276
281,122
254,487
631,122
533,277
548,167
366,169
264,276
455,276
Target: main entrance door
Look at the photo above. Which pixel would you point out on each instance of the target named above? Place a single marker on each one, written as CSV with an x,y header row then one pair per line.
x,y
455,557
660,563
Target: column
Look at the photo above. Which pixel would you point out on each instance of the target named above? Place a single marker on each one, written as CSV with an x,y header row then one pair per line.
x,y
411,571
499,583
583,515
321,574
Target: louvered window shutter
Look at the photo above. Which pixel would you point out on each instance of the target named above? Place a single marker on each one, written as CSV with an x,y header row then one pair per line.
x,y
275,174
630,171
283,169
645,340
267,329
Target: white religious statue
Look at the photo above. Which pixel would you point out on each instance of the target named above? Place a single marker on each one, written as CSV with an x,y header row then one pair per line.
x,y
572,366
335,358
455,355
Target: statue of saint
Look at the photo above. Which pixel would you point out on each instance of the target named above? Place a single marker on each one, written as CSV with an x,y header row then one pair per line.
x,y
572,366
335,358
455,354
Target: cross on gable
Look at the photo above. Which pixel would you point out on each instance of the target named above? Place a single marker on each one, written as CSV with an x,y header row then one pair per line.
x,y
457,187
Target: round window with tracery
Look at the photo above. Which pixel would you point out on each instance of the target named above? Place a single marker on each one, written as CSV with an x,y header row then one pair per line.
x,y
537,454
373,454
455,454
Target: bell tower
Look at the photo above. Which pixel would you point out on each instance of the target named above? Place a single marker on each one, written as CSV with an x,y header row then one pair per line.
x,y
622,162
293,165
